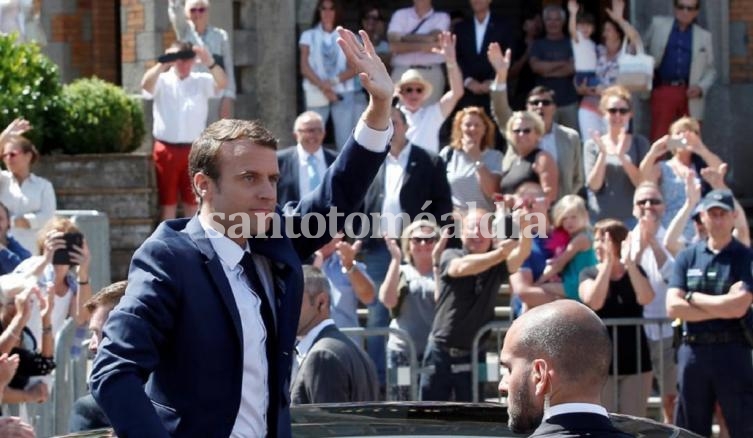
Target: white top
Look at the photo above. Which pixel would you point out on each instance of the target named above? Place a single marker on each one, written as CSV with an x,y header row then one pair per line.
x,y
461,175
584,54
548,142
575,408
403,21
481,31
181,106
252,413
13,16
326,58
658,277
303,168
394,174
423,126
34,199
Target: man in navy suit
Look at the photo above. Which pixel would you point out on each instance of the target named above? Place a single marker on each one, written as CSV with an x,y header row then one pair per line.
x,y
302,166
474,35
201,344
557,357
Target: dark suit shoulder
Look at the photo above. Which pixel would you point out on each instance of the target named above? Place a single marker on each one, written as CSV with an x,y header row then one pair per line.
x,y
285,153
576,425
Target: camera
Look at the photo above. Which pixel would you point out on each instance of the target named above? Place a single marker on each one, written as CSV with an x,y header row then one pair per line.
x,y
63,256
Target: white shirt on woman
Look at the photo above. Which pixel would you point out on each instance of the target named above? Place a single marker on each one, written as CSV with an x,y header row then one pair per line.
x,y
33,199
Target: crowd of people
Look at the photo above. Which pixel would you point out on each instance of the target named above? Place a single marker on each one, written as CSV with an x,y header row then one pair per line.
x,y
541,139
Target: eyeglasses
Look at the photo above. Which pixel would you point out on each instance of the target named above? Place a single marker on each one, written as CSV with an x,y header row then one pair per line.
x,y
681,7
424,240
409,90
199,10
542,102
11,154
651,201
622,111
522,131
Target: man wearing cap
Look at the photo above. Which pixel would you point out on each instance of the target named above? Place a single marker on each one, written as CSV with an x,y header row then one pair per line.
x,y
414,91
413,33
711,290
180,108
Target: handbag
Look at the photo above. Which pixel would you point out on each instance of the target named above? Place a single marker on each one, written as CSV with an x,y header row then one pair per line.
x,y
314,96
635,72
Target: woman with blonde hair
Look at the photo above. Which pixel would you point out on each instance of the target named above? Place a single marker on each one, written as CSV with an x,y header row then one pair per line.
x,y
611,160
474,167
689,156
408,293
529,163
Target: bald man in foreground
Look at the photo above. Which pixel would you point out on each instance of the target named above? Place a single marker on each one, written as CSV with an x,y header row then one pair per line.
x,y
557,356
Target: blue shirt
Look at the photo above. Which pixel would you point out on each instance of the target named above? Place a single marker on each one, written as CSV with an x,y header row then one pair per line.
x,y
536,263
698,269
675,65
12,255
343,301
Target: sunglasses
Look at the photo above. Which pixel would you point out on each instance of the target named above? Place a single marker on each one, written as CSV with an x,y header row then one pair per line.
x,y
523,131
622,111
542,102
409,90
424,240
199,10
651,201
11,154
687,8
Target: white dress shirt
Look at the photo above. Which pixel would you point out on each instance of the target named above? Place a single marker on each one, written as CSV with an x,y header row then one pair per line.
x,y
252,413
575,408
181,106
303,166
481,31
394,175
33,199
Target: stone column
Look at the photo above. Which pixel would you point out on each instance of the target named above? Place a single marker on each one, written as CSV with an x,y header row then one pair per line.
x,y
269,79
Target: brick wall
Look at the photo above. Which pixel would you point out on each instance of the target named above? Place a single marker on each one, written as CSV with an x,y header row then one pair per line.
x,y
741,18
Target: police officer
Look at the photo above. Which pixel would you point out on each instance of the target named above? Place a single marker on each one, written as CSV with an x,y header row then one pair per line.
x,y
711,290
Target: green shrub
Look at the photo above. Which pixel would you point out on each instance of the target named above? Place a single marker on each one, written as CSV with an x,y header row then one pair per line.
x,y
29,88
99,117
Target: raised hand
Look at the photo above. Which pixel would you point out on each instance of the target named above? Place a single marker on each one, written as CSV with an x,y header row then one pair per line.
x,y
14,427
715,176
17,127
203,54
623,142
500,61
659,147
596,137
692,188
446,47
370,68
617,11
572,7
81,257
348,252
8,367
393,248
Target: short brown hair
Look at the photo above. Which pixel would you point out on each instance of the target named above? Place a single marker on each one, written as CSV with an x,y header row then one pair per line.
x,y
205,151
457,134
616,229
108,296
58,223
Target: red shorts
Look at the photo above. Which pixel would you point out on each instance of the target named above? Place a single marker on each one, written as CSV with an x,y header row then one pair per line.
x,y
171,163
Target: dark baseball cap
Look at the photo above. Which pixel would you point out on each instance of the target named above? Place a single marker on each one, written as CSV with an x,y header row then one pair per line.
x,y
720,198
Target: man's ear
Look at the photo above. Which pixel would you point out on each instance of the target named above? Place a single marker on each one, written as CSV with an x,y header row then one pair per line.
x,y
540,376
201,183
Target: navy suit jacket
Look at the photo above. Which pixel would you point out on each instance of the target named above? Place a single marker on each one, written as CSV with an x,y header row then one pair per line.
x,y
476,65
425,180
578,425
178,329
287,161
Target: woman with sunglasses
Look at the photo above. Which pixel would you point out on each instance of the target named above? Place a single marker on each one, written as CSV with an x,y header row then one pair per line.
x,y
474,167
611,160
615,31
689,156
29,198
529,163
329,83
191,24
408,293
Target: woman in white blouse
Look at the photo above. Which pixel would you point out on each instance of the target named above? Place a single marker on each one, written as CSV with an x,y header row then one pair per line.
x,y
30,198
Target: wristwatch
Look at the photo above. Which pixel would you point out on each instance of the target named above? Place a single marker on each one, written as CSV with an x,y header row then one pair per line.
x,y
689,296
347,271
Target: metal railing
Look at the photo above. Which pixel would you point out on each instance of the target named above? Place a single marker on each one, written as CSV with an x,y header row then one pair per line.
x,y
499,328
412,370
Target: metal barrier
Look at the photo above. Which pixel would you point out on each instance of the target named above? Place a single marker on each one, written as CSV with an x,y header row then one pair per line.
x,y
501,327
399,374
96,228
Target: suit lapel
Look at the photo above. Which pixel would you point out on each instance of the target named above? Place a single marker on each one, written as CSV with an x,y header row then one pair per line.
x,y
294,174
410,169
214,266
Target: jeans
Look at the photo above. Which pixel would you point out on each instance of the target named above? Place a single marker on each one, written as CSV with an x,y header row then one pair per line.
x,y
345,114
377,260
452,374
